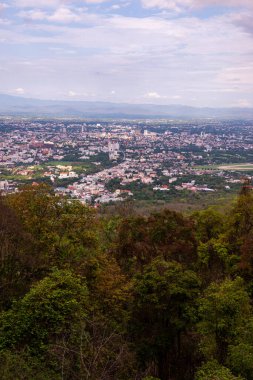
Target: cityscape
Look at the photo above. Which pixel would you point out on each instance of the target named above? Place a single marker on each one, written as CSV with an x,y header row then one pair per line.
x,y
103,162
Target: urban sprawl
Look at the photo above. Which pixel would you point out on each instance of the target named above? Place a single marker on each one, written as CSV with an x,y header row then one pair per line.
x,y
110,161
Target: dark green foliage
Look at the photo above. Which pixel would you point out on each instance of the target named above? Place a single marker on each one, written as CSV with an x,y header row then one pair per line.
x,y
223,309
17,263
240,356
241,360
163,308
64,231
209,224
240,223
167,234
47,311
21,366
125,297
213,371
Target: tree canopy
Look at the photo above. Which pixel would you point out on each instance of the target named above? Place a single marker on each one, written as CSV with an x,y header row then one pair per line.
x,y
93,296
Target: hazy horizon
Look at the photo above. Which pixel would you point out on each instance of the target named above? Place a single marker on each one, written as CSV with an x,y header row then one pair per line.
x,y
116,102
164,52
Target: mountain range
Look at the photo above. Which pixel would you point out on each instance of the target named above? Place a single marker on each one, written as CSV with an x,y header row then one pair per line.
x,y
20,106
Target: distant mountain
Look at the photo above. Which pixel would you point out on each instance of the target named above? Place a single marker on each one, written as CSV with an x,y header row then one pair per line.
x,y
19,106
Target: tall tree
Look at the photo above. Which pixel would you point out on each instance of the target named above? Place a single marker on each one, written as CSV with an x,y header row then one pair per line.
x,y
163,310
167,234
17,262
64,232
223,308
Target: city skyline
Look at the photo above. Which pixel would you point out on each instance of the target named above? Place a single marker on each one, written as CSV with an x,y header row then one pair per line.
x,y
147,51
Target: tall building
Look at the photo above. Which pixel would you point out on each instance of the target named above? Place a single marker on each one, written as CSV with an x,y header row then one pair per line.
x,y
113,149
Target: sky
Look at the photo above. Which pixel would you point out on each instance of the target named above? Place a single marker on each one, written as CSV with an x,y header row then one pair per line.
x,y
191,52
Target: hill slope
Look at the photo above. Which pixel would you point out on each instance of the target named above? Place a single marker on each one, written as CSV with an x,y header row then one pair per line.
x,y
19,106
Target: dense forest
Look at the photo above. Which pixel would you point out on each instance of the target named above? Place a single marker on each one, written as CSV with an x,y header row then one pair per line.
x,y
124,297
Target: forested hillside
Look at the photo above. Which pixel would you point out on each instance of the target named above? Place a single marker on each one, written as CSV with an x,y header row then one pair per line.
x,y
96,297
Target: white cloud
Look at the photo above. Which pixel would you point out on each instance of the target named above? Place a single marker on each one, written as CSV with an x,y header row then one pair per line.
x,y
152,95
37,3
35,15
120,5
18,91
155,96
76,95
228,3
241,75
162,4
53,3
4,22
178,5
244,103
64,15
140,58
244,20
95,1
72,94
115,6
3,6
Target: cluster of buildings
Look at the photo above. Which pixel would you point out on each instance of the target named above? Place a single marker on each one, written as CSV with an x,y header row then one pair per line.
x,y
159,155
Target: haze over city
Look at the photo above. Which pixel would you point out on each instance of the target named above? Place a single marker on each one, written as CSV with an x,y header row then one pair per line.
x,y
190,52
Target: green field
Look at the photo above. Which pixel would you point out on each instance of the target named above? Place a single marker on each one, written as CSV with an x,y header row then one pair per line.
x,y
206,167
228,167
237,167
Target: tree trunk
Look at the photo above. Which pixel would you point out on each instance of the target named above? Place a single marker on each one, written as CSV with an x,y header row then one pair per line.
x,y
164,367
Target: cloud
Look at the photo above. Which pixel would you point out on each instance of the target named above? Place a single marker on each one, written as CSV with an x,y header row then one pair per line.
x,y
75,95
3,6
155,96
178,5
35,15
120,5
60,15
43,4
162,4
95,1
18,91
244,103
115,6
37,3
64,15
241,75
4,22
244,21
143,58
152,95
72,94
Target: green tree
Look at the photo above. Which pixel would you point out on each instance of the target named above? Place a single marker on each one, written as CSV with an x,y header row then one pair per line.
x,y
209,224
240,356
240,222
214,371
241,359
223,308
214,260
46,312
17,264
21,366
163,310
167,234
65,233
